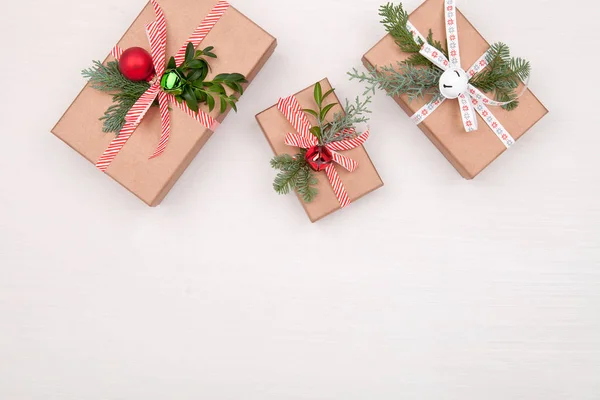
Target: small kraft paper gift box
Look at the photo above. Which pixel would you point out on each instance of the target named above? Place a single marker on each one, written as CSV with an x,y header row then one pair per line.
x,y
207,41
333,167
473,130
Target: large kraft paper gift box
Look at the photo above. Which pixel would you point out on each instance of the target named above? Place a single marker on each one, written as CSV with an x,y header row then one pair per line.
x,y
241,46
470,153
359,183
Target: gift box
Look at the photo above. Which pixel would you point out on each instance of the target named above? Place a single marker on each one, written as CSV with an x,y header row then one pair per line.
x,y
468,152
242,47
357,183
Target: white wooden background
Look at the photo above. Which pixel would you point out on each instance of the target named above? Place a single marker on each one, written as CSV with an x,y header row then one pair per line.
x,y
432,288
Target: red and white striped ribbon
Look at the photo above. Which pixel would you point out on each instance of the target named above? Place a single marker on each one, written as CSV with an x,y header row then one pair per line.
x,y
203,29
292,111
157,37
116,52
472,100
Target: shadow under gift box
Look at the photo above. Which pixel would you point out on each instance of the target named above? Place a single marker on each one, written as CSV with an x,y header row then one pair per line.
x,y
470,153
362,181
241,46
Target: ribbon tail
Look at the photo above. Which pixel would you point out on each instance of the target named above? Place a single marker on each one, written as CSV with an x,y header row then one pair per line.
x,y
415,32
349,144
165,119
292,111
346,162
467,113
293,139
200,116
479,65
428,109
431,53
495,125
116,52
337,186
132,120
435,56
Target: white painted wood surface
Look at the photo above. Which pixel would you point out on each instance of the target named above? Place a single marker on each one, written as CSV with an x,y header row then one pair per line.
x,y
431,288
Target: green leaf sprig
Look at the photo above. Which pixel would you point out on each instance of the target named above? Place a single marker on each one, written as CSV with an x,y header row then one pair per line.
x,y
187,83
294,174
321,112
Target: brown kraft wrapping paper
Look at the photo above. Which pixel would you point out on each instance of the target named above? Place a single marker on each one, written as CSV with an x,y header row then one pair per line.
x,y
358,183
241,46
470,153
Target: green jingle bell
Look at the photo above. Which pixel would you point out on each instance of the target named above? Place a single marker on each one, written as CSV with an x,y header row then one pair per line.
x,y
172,82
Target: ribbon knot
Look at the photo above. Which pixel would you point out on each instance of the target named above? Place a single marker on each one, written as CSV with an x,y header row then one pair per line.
x,y
157,37
292,110
471,100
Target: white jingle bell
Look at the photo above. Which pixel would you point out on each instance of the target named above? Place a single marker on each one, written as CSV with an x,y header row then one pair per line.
x,y
453,82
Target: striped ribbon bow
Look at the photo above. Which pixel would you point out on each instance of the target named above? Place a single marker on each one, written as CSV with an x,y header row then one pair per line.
x,y
157,36
471,100
292,111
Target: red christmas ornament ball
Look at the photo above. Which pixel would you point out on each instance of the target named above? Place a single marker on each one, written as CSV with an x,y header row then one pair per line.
x,y
136,64
318,158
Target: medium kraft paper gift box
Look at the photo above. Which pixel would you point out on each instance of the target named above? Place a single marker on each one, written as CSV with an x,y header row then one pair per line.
x,y
470,153
359,183
241,46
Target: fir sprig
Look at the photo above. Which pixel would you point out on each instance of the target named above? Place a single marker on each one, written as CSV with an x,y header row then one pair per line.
x,y
502,75
295,174
341,128
107,78
394,20
416,82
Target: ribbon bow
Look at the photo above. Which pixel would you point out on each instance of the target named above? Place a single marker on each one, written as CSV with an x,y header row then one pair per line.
x,y
291,109
471,100
157,36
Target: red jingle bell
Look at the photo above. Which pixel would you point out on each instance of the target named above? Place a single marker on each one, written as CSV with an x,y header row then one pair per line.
x,y
136,65
318,158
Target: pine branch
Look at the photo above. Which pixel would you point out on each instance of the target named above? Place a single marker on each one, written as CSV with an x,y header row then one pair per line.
x,y
354,114
295,174
416,82
394,20
107,78
305,184
502,75
114,116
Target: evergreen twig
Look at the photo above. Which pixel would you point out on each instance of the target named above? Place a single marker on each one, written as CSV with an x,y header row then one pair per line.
x,y
503,75
416,82
342,126
107,78
295,174
394,20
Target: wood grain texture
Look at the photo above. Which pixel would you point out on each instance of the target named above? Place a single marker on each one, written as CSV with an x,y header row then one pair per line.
x,y
442,289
